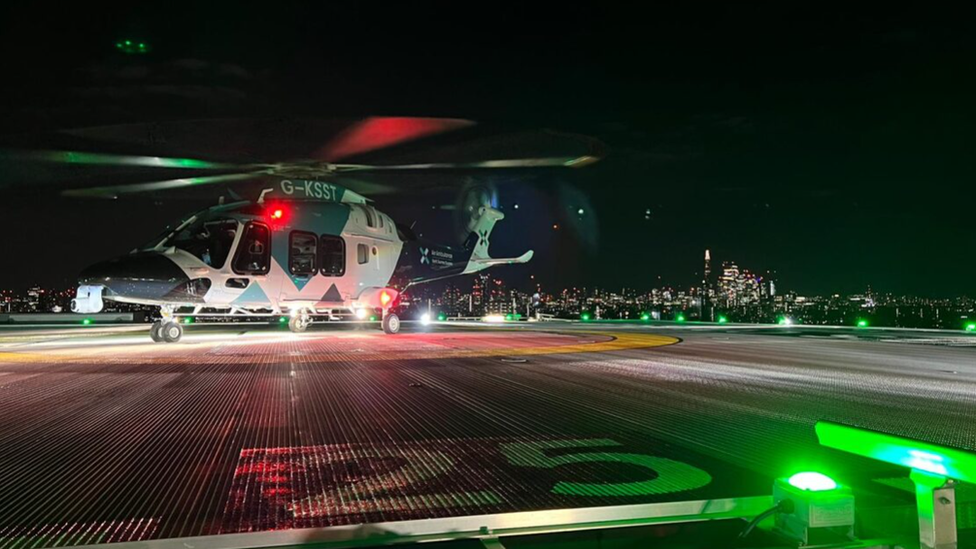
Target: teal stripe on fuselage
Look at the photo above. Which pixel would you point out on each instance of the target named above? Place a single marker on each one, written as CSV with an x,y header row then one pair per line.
x,y
253,295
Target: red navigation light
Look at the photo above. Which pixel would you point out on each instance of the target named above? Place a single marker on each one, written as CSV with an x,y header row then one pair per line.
x,y
385,298
276,214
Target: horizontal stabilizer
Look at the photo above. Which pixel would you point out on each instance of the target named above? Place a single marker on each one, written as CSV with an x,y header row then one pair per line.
x,y
477,264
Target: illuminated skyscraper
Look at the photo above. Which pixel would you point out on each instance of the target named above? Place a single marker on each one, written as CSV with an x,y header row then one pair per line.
x,y
708,272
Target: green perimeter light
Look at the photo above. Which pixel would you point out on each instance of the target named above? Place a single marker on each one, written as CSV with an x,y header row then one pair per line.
x,y
680,318
921,456
812,481
861,323
86,321
971,327
585,316
441,317
722,319
130,47
645,317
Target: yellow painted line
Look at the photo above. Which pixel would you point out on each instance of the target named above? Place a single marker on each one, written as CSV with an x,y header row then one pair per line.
x,y
617,342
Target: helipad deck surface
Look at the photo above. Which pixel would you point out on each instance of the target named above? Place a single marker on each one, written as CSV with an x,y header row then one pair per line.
x,y
105,436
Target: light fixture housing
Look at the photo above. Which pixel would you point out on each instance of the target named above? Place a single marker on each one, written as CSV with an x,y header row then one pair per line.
x,y
822,511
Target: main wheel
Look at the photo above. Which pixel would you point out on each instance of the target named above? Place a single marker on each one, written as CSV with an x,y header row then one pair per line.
x,y
391,323
156,331
172,332
298,323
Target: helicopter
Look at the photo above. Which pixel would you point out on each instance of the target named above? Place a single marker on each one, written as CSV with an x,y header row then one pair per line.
x,y
306,248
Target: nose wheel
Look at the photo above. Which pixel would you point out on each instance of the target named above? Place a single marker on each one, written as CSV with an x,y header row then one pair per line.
x,y
169,331
391,323
299,323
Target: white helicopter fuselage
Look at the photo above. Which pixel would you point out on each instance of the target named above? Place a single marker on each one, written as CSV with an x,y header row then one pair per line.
x,y
285,255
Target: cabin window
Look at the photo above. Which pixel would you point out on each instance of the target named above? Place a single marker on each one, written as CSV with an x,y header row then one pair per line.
x,y
301,253
332,251
362,252
254,251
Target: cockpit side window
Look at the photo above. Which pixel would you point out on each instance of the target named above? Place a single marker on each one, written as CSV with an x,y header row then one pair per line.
x,y
254,251
209,241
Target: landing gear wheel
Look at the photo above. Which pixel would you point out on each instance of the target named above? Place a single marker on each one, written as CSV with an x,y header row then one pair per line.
x,y
172,332
156,331
391,323
299,323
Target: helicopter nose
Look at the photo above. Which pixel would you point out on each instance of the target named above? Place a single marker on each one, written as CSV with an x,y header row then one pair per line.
x,y
142,276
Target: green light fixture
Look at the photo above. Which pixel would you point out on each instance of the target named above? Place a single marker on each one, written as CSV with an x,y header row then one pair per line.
x,y
680,318
862,323
971,327
86,321
132,47
813,509
812,481
645,317
722,319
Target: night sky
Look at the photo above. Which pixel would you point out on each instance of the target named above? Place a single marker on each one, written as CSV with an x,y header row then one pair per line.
x,y
835,148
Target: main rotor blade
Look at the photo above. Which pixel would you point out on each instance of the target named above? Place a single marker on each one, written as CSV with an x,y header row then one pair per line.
x,y
381,132
115,190
553,162
83,158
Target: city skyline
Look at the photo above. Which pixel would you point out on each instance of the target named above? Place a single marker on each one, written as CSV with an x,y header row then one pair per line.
x,y
731,292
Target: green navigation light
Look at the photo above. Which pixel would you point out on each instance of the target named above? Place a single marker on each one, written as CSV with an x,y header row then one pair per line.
x,y
282,320
971,327
862,323
86,321
921,456
722,319
585,316
812,481
441,317
645,317
130,47
680,318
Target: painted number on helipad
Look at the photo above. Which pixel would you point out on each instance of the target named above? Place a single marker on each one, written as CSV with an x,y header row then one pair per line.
x,y
309,486
672,476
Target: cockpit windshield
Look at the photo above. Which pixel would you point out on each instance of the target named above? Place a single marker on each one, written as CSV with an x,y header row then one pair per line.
x,y
210,240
